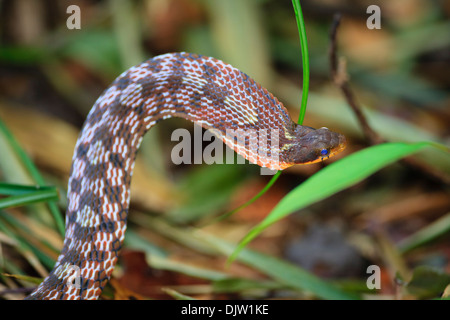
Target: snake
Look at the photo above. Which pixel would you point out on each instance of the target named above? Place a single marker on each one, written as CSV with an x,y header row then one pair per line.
x,y
201,89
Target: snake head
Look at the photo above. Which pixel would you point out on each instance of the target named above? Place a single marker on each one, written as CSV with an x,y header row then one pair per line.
x,y
311,145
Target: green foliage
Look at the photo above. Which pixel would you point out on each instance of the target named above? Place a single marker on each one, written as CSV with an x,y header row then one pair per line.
x,y
334,178
23,195
427,282
34,175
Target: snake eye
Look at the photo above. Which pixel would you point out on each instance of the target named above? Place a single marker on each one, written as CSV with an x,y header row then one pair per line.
x,y
324,152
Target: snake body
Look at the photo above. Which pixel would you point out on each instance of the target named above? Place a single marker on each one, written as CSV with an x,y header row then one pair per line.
x,y
201,89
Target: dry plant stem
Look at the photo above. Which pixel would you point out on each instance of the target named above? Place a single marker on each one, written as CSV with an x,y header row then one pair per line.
x,y
340,78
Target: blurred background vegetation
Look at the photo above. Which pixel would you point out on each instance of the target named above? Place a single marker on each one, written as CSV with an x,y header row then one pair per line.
x,y
398,219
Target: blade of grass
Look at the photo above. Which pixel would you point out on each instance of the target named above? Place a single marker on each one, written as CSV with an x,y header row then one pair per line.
x,y
11,189
436,229
334,178
305,57
241,285
177,295
283,272
29,198
206,191
25,249
11,167
34,172
42,251
187,269
242,206
34,280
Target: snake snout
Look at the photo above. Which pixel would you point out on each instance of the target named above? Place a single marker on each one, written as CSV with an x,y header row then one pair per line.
x,y
340,144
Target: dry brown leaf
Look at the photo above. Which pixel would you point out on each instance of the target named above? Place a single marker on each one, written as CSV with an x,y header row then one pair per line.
x,y
408,207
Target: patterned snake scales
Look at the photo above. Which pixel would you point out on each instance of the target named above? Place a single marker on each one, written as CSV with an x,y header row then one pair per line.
x,y
201,89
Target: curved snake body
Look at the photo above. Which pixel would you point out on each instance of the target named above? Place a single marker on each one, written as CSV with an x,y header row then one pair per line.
x,y
201,89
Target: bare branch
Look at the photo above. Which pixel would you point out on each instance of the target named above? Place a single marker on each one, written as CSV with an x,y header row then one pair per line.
x,y
340,78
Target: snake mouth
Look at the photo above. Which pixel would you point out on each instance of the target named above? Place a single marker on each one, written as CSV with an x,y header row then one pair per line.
x,y
341,146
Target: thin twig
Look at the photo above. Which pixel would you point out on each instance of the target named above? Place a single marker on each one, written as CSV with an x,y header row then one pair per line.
x,y
340,78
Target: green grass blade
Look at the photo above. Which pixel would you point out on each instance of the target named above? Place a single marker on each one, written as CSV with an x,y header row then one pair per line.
x,y
34,280
29,198
295,277
334,178
305,65
34,257
29,165
162,263
11,189
282,271
436,229
177,295
249,202
305,57
277,269
34,173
